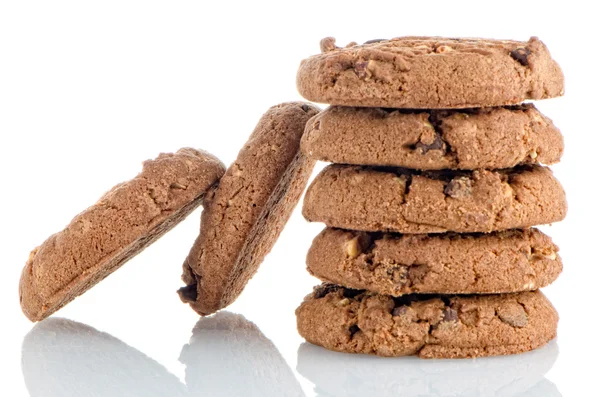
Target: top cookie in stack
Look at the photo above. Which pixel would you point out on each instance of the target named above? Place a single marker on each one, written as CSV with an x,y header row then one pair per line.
x,y
431,139
430,73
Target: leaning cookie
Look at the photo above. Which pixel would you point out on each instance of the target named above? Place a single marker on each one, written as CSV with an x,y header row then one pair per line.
x,y
469,139
122,223
405,201
392,264
244,215
430,72
355,321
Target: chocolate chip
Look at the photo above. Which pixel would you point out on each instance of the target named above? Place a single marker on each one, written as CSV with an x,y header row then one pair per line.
x,y
437,144
351,293
521,55
353,329
450,315
324,289
373,41
305,108
513,314
361,69
399,311
189,293
459,187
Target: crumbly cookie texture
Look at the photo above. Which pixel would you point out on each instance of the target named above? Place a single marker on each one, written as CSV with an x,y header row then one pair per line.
x,y
490,138
122,223
408,201
430,72
392,264
244,215
356,321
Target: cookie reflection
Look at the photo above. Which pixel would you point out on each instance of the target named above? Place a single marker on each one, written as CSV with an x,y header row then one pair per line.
x,y
339,374
229,356
64,358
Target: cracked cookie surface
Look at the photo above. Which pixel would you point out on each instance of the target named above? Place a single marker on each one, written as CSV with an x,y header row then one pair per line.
x,y
393,264
122,223
244,215
490,138
406,201
355,321
430,72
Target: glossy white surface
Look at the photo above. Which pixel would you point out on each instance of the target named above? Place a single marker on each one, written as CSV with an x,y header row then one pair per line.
x,y
228,355
90,89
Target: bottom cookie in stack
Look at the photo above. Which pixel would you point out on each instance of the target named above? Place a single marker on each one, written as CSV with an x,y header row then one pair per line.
x,y
430,326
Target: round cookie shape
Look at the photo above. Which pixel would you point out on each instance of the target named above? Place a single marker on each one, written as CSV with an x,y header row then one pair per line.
x,y
468,139
128,218
244,215
429,326
406,201
430,72
391,264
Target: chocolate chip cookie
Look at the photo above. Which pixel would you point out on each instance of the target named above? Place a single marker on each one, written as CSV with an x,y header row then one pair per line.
x,y
468,139
356,321
430,73
393,264
405,201
244,215
121,224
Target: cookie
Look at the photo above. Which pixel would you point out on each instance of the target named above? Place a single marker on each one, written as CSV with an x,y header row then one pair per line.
x,y
122,223
243,217
356,321
469,139
404,201
430,72
393,264
335,374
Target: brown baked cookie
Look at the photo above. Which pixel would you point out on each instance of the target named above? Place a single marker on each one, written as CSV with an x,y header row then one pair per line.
x,y
404,201
244,215
392,264
122,223
469,139
430,72
356,321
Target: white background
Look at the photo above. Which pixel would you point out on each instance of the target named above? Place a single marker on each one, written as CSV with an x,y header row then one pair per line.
x,y
89,89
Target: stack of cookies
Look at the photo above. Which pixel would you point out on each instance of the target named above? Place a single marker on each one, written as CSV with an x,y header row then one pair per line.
x,y
437,181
